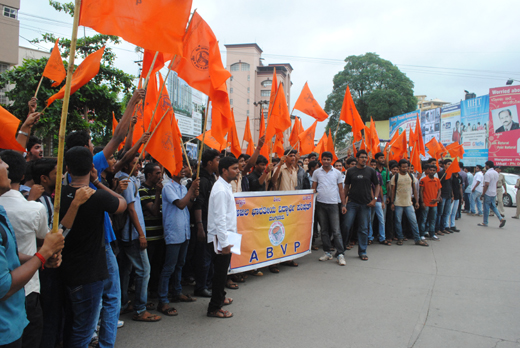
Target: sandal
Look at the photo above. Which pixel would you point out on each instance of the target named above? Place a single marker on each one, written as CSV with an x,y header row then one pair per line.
x,y
220,314
256,273
150,306
314,247
389,242
348,247
129,309
422,243
363,257
231,285
228,301
145,316
183,298
165,309
274,269
406,239
239,278
385,242
370,242
291,263
399,242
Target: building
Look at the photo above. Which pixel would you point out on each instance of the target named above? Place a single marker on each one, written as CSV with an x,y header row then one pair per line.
x,y
249,87
423,104
10,29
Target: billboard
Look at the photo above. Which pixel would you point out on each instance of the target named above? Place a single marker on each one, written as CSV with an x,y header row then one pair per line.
x,y
450,124
475,130
504,129
431,124
403,123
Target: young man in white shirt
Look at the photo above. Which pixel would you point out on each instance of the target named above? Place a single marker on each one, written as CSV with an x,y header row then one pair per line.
x,y
222,220
489,194
476,191
328,183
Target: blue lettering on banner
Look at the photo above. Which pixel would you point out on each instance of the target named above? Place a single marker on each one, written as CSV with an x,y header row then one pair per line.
x,y
296,246
254,256
269,252
284,250
242,212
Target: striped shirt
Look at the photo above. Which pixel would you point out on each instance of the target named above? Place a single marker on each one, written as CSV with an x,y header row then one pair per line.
x,y
153,224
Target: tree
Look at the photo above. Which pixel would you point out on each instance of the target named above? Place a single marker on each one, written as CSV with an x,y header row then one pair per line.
x,y
90,107
378,87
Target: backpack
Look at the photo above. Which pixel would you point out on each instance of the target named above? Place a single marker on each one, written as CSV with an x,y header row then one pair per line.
x,y
396,182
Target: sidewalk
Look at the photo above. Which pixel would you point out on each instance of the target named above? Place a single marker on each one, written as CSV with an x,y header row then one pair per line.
x,y
462,291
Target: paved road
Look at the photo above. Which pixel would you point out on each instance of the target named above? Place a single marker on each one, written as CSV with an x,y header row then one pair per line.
x,y
462,291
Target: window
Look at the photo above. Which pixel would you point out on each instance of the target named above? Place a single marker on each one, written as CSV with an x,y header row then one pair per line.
x,y
231,78
265,106
245,67
248,77
247,89
3,67
10,12
267,83
239,67
230,101
248,102
235,67
231,90
265,93
247,112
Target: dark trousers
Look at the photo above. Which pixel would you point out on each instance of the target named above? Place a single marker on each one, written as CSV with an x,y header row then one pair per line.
x,y
203,265
156,250
220,269
32,334
52,295
15,344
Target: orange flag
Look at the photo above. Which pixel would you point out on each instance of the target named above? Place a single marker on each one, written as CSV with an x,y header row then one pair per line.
x,y
330,147
434,148
280,119
419,136
165,144
411,139
354,148
322,145
399,147
350,115
363,145
368,139
455,150
8,131
274,89
210,141
55,70
307,139
264,151
249,138
309,106
293,139
152,95
375,143
416,160
160,61
453,168
83,74
232,138
156,25
278,145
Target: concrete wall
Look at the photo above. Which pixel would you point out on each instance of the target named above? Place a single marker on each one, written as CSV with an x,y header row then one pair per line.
x,y
10,30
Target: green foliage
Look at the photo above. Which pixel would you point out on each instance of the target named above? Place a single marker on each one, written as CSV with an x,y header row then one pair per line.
x,y
378,87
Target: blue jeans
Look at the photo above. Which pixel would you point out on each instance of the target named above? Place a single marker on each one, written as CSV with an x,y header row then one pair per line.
x,y
410,215
328,216
453,213
475,200
173,263
84,303
489,202
377,210
467,200
443,212
132,256
363,213
428,217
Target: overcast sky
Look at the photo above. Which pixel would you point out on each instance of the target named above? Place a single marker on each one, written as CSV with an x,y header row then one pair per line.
x,y
444,47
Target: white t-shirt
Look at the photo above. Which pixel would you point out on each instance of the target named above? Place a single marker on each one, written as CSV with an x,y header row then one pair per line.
x,y
478,178
491,176
328,192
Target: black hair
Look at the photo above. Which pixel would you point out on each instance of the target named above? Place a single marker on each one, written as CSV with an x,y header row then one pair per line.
x,y
379,154
313,164
225,163
350,160
441,162
446,161
490,164
98,149
339,162
403,161
479,166
276,160
290,152
393,162
312,154
28,173
508,111
42,166
149,168
32,141
373,161
78,160
17,165
425,167
361,152
394,165
461,165
261,159
245,156
208,156
326,154
77,138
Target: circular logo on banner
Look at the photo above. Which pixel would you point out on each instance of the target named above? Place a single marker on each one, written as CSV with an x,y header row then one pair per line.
x,y
200,57
276,233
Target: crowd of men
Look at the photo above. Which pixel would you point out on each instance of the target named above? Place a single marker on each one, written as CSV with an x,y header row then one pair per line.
x,y
132,235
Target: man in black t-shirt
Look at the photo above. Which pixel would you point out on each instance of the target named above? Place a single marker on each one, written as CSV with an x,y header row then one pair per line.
x,y
444,206
258,177
358,189
457,182
84,265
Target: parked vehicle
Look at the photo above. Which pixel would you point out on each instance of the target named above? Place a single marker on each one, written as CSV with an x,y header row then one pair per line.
x,y
510,197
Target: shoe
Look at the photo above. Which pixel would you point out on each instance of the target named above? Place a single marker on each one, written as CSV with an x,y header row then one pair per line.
x,y
514,217
341,260
120,324
447,231
423,238
435,238
421,243
480,215
455,229
203,293
327,256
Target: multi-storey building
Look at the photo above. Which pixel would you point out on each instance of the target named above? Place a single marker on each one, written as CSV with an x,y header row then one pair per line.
x,y
10,29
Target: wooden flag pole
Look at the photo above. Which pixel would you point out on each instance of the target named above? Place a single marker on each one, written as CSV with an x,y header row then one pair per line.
x,y
336,133
38,88
151,135
203,138
63,122
186,155
160,92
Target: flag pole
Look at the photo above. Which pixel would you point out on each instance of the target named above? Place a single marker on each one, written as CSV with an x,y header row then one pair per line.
x,y
203,138
63,122
151,135
160,92
38,88
186,155
269,119
336,132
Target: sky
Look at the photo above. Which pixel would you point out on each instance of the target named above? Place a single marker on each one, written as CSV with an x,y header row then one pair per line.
x,y
444,47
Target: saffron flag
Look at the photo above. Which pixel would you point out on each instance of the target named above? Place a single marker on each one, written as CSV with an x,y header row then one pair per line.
x,y
8,131
152,97
416,160
249,138
165,144
354,149
399,147
210,141
278,145
156,25
434,148
274,90
330,147
264,151
232,138
54,69
221,121
293,138
307,139
411,139
368,139
374,138
160,61
350,115
322,145
453,168
455,150
83,74
280,119
308,105
419,136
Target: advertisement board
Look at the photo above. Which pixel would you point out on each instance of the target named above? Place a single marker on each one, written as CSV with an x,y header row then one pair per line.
x,y
475,130
403,123
450,124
